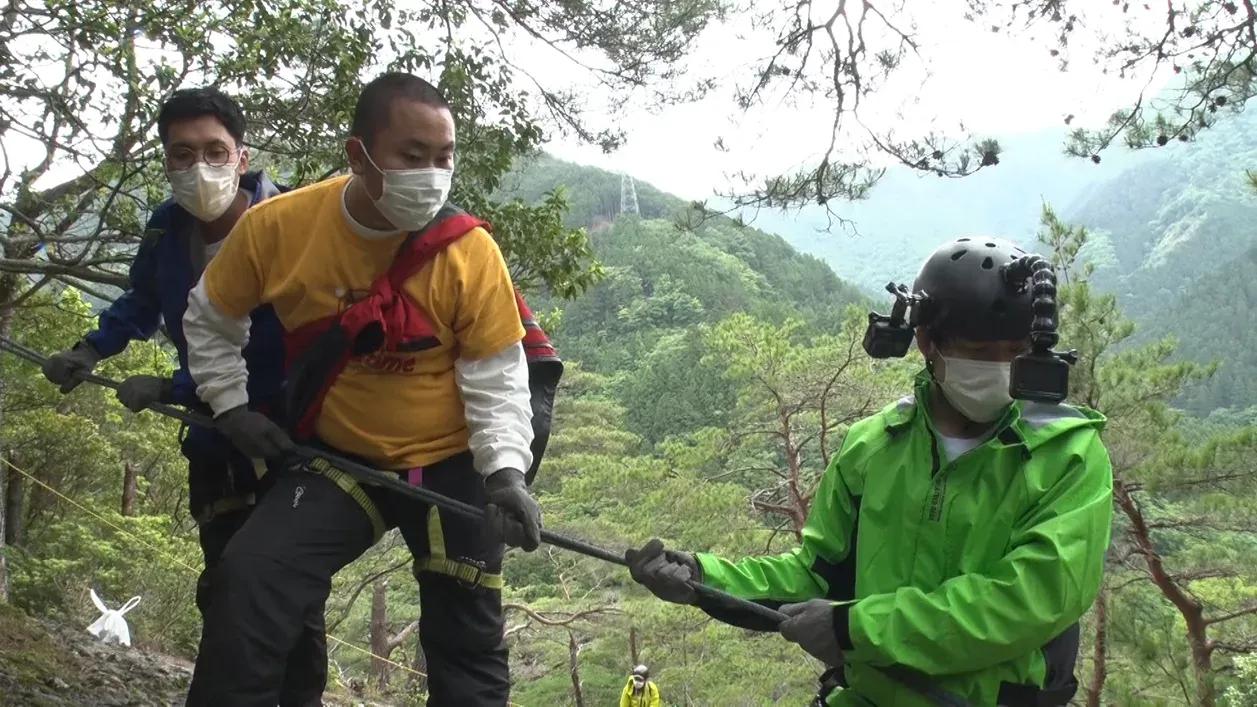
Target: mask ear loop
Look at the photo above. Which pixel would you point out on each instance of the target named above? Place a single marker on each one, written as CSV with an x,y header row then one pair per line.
x,y
931,366
931,363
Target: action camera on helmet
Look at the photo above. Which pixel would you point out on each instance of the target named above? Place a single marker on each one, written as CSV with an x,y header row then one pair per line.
x,y
890,336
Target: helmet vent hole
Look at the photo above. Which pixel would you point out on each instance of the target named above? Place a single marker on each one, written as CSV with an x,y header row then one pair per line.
x,y
990,245
958,254
987,263
962,240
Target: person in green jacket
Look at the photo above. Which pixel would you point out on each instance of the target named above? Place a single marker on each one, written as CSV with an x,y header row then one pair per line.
x,y
958,536
639,691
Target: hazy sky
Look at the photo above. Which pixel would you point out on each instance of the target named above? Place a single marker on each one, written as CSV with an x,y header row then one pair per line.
x,y
997,84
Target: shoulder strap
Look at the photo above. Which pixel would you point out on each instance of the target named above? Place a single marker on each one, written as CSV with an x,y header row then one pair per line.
x,y
449,224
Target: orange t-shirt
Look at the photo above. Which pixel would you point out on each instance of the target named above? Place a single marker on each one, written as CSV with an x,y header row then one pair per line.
x,y
395,409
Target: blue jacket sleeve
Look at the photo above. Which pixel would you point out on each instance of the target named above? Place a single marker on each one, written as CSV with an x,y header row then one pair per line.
x,y
183,388
137,313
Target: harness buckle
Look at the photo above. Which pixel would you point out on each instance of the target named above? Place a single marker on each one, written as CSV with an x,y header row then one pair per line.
x,y
478,566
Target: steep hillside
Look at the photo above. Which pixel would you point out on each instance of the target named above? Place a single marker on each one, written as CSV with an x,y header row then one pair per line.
x,y
46,664
1185,215
1213,319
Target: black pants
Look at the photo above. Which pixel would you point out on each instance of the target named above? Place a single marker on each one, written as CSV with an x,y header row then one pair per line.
x,y
277,570
214,478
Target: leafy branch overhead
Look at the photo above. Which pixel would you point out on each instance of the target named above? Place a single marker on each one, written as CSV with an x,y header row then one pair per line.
x,y
1208,48
840,54
81,83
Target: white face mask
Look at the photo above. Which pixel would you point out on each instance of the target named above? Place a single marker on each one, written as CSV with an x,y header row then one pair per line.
x,y
206,192
412,197
977,389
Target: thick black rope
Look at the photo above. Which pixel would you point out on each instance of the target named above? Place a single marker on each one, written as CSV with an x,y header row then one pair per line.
x,y
391,481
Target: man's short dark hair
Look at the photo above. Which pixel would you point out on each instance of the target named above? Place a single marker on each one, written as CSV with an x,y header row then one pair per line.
x,y
188,103
375,101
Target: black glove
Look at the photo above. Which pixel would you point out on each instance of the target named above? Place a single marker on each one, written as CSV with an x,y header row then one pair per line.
x,y
666,573
512,515
811,625
253,433
65,368
138,392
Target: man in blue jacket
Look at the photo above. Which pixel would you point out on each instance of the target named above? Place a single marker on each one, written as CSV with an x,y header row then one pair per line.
x,y
202,133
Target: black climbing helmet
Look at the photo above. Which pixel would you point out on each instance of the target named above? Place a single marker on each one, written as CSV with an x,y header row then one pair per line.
x,y
968,294
982,289
641,671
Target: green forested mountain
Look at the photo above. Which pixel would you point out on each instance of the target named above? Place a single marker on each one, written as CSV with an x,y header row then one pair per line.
x,y
1213,319
1175,240
1185,214
666,274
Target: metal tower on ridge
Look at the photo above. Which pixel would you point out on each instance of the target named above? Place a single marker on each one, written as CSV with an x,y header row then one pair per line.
x,y
628,196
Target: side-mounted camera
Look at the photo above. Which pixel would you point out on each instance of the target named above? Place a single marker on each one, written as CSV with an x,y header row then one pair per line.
x,y
1041,377
890,336
1041,374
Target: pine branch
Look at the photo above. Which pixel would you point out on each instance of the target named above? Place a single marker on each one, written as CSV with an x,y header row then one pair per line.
x,y
1247,611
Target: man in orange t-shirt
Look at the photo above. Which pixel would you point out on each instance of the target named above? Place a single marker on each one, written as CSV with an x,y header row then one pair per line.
x,y
455,414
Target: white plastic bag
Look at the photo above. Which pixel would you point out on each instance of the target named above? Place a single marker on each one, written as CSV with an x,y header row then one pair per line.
x,y
111,627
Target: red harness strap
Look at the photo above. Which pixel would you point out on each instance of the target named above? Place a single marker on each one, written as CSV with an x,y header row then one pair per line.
x,y
537,346
387,318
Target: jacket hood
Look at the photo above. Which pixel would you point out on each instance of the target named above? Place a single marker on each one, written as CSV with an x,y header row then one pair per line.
x,y
1028,423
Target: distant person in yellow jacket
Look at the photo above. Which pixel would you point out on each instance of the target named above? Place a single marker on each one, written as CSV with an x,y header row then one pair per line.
x,y
640,691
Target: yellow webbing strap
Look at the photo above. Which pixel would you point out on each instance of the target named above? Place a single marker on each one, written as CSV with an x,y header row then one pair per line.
x,y
347,484
439,563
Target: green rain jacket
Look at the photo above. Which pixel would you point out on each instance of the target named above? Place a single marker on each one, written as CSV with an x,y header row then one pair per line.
x,y
968,576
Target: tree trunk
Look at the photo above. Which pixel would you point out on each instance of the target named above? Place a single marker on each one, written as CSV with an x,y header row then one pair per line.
x,y
4,568
9,283
130,488
573,658
1192,611
798,505
379,632
12,511
633,646
1100,663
